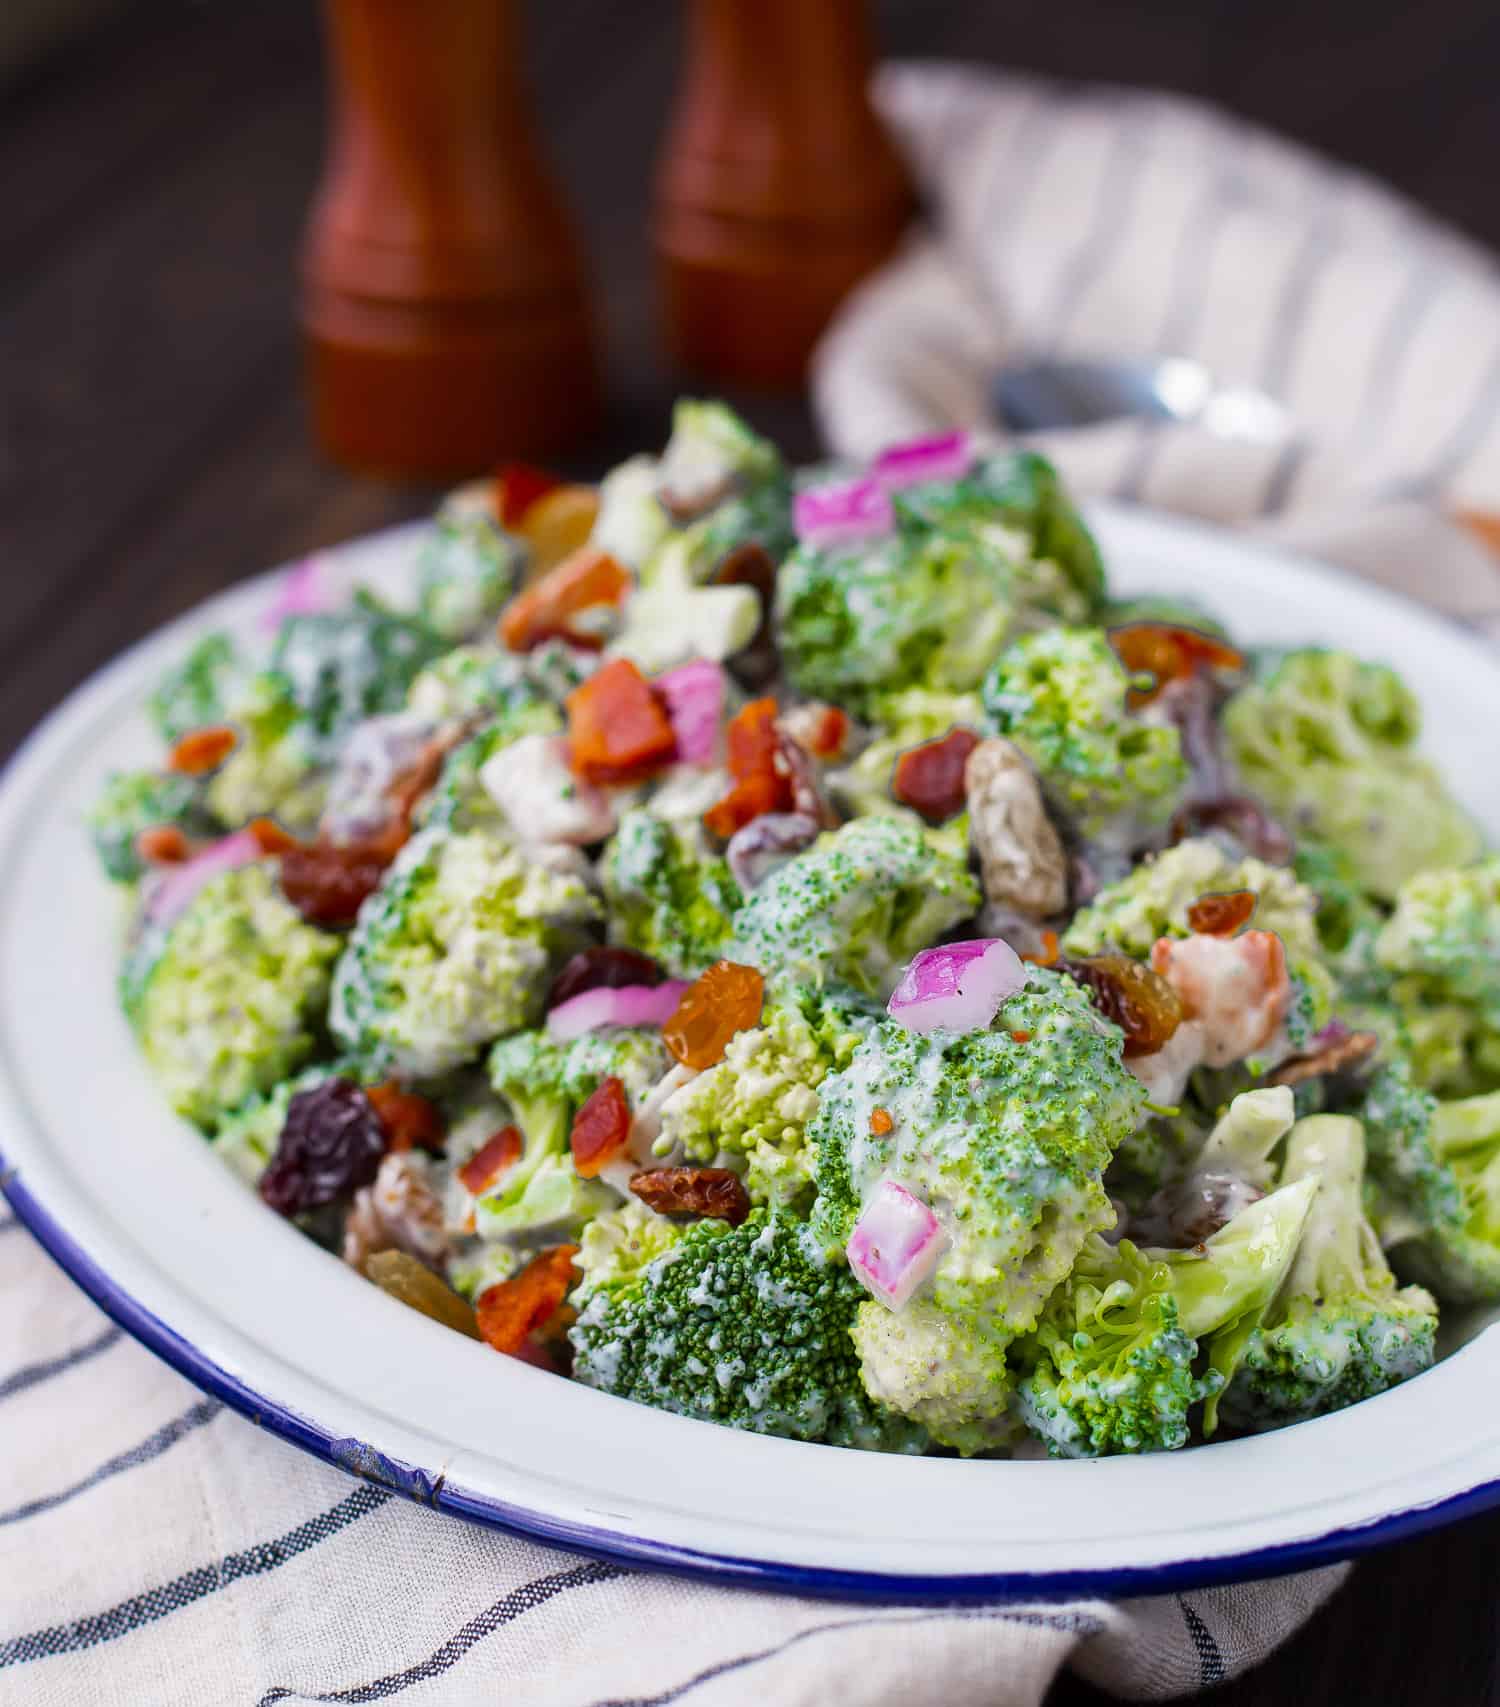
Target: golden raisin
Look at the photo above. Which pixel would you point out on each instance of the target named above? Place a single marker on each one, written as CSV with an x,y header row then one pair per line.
x,y
725,1000
1221,915
1141,1002
414,1284
202,750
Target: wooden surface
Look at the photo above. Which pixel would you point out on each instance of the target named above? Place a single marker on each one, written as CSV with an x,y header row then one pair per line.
x,y
151,432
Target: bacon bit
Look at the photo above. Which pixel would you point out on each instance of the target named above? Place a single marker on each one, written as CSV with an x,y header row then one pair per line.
x,y
1335,1057
202,750
518,485
830,736
1020,1037
726,999
930,778
762,780
716,1193
618,728
881,1122
1236,987
511,1311
270,838
410,1121
501,1150
1221,914
600,1128
1167,653
583,581
163,844
1047,956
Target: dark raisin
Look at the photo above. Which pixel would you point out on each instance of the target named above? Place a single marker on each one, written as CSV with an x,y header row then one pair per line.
x,y
716,1193
602,969
331,1144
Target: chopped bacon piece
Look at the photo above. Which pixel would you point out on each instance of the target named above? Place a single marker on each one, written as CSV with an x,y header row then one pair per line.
x,y
1047,955
726,999
826,734
410,1121
1222,915
501,1150
618,728
1237,988
270,838
717,1193
546,610
1020,1037
1335,1057
202,750
930,778
518,485
163,844
512,1310
1167,653
881,1122
600,1128
763,781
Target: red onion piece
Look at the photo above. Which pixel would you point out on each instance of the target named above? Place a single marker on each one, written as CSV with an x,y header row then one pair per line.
x,y
895,1244
625,1004
957,987
857,509
302,591
695,695
944,456
173,892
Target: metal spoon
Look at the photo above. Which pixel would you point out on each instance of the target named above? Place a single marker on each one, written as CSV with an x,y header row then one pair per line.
x,y
1037,395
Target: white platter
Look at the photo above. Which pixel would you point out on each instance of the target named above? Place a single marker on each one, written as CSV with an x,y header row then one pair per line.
x,y
173,1246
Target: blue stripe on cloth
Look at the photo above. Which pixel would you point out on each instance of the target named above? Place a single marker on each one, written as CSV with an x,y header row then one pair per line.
x,y
34,1374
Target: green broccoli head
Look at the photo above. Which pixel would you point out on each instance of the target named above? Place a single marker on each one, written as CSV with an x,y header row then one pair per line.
x,y
1060,696
1005,1135
1348,920
854,907
488,680
915,609
342,666
459,800
618,1245
1153,901
232,999
668,895
1114,1364
133,801
198,690
277,768
745,1326
757,1101
453,950
1340,1330
467,571
902,720
713,454
1327,740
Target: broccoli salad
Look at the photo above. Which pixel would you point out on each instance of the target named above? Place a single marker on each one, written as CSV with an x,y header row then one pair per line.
x,y
785,947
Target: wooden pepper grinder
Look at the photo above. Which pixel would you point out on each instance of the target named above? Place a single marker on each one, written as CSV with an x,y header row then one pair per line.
x,y
443,300
778,189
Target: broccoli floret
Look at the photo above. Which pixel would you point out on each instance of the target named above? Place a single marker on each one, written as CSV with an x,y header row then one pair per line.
x,y
631,523
488,679
199,690
277,768
1327,740
453,950
744,1326
617,1245
1347,919
1060,697
668,896
915,609
342,666
672,622
1114,1364
459,800
758,1100
1153,901
1005,1134
232,999
132,801
854,907
467,571
1408,1188
1340,1330
902,721
713,454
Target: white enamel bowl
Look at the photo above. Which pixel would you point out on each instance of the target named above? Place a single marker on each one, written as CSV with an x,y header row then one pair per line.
x,y
173,1246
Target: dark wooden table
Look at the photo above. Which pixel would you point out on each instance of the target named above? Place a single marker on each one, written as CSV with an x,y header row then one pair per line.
x,y
152,445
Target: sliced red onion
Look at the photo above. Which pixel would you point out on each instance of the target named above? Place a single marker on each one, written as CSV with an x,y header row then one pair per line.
x,y
944,456
173,892
895,1244
958,987
695,695
303,591
626,1004
833,515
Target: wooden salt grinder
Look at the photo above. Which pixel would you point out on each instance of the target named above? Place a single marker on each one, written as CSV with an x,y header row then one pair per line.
x,y
443,302
778,188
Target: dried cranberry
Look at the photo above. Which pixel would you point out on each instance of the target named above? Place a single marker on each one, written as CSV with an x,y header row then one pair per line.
x,y
930,778
1141,1002
331,1144
602,969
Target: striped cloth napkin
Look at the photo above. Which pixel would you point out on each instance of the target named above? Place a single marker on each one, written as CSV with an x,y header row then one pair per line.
x,y
157,1549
